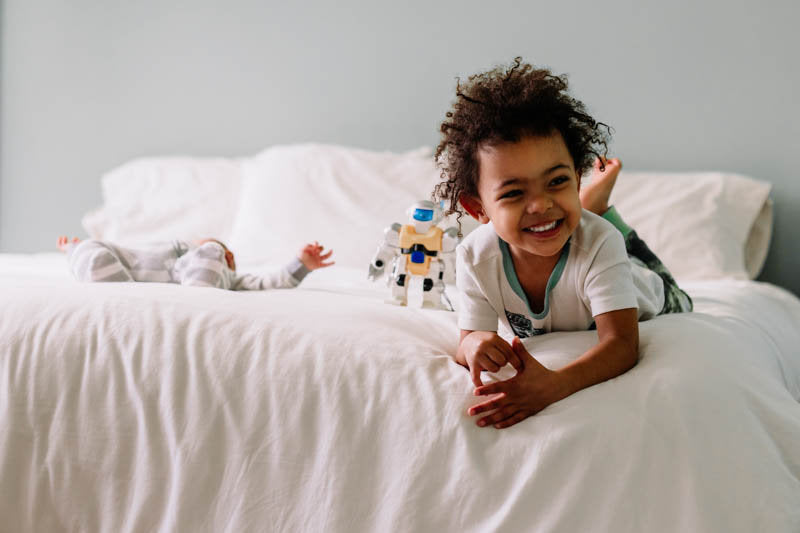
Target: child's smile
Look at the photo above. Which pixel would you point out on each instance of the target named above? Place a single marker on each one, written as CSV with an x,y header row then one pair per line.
x,y
529,190
545,230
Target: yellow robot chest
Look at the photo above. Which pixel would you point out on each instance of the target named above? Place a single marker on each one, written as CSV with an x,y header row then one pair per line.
x,y
418,248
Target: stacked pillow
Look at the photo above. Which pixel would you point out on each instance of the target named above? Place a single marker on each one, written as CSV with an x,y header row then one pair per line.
x,y
701,225
342,197
160,199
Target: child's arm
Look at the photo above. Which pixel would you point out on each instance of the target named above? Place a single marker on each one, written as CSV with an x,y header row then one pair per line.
x,y
536,387
485,350
309,258
286,277
312,257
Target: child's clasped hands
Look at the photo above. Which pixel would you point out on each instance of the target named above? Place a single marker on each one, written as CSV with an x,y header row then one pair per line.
x,y
533,388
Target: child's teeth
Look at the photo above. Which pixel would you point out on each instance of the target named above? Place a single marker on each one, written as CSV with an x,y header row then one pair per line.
x,y
545,227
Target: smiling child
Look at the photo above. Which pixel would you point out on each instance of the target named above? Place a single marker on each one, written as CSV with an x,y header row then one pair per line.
x,y
549,256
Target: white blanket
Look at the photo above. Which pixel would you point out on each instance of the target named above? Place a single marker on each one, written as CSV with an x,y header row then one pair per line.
x,y
153,407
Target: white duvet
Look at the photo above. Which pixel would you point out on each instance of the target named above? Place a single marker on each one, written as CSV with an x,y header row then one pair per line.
x,y
152,407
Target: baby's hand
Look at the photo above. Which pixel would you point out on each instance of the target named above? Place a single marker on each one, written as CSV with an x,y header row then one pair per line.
x,y
63,242
531,390
312,257
485,350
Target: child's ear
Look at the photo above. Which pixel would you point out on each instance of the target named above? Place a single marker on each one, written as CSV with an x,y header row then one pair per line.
x,y
474,207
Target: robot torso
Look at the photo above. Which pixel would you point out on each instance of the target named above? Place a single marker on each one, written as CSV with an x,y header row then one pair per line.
x,y
419,248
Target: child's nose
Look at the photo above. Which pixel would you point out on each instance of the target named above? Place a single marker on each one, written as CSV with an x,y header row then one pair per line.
x,y
540,203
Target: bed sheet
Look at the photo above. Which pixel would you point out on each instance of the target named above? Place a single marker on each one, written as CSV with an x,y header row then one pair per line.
x,y
155,407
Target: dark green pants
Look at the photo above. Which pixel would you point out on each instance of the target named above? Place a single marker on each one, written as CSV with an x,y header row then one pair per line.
x,y
675,299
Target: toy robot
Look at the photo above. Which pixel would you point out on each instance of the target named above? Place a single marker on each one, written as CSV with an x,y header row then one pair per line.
x,y
415,250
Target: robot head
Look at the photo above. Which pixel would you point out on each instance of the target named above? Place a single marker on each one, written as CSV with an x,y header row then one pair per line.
x,y
425,213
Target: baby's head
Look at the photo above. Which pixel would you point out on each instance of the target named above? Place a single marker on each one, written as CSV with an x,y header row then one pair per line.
x,y
228,254
513,149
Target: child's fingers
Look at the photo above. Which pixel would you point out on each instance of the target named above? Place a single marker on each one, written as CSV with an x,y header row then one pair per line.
x,y
327,255
488,363
499,416
526,356
498,355
516,362
492,388
520,350
494,403
504,354
519,416
475,372
517,347
513,357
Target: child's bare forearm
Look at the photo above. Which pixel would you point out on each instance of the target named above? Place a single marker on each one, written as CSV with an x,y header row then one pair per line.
x,y
616,352
607,359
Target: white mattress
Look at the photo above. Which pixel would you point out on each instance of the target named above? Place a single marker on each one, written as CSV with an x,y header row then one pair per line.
x,y
154,407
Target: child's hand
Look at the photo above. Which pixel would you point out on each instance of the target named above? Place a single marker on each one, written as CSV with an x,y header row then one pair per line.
x,y
531,390
312,257
64,242
485,350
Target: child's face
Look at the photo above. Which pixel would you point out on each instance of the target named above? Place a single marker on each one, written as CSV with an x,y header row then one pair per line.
x,y
529,190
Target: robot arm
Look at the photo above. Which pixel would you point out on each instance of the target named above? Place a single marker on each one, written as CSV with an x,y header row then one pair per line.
x,y
450,240
447,260
387,250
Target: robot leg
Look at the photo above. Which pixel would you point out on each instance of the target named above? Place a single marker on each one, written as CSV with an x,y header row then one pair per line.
x,y
399,283
433,296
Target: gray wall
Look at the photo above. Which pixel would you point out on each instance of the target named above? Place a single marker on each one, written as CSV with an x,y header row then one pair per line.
x,y
87,85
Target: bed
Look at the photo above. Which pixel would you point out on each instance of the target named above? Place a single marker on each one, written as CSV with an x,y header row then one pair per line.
x,y
156,407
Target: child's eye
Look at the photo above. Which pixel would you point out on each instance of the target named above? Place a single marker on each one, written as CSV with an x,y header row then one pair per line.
x,y
510,194
558,181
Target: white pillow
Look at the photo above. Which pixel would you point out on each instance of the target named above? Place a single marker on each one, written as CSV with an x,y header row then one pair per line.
x,y
342,197
701,225
158,199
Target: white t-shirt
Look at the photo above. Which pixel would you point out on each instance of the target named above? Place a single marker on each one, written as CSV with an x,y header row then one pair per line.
x,y
593,276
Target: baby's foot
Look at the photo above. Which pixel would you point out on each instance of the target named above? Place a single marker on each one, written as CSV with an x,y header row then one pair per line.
x,y
63,242
595,194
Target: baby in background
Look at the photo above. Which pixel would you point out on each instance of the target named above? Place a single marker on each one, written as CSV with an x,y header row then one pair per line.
x,y
204,263
551,255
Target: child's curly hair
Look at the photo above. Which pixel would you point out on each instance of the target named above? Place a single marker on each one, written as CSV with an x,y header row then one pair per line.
x,y
504,105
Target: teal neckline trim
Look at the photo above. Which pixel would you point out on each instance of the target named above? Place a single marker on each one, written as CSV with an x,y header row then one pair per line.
x,y
511,276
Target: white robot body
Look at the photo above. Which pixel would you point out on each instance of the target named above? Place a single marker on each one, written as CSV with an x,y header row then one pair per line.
x,y
416,250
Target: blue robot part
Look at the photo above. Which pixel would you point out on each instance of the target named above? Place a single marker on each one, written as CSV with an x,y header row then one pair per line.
x,y
423,215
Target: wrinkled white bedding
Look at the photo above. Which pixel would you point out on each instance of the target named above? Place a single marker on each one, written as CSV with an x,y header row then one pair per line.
x,y
152,407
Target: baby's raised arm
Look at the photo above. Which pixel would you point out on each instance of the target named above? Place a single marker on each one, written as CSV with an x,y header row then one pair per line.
x,y
312,257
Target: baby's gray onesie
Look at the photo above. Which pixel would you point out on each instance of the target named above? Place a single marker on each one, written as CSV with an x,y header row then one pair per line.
x,y
175,262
